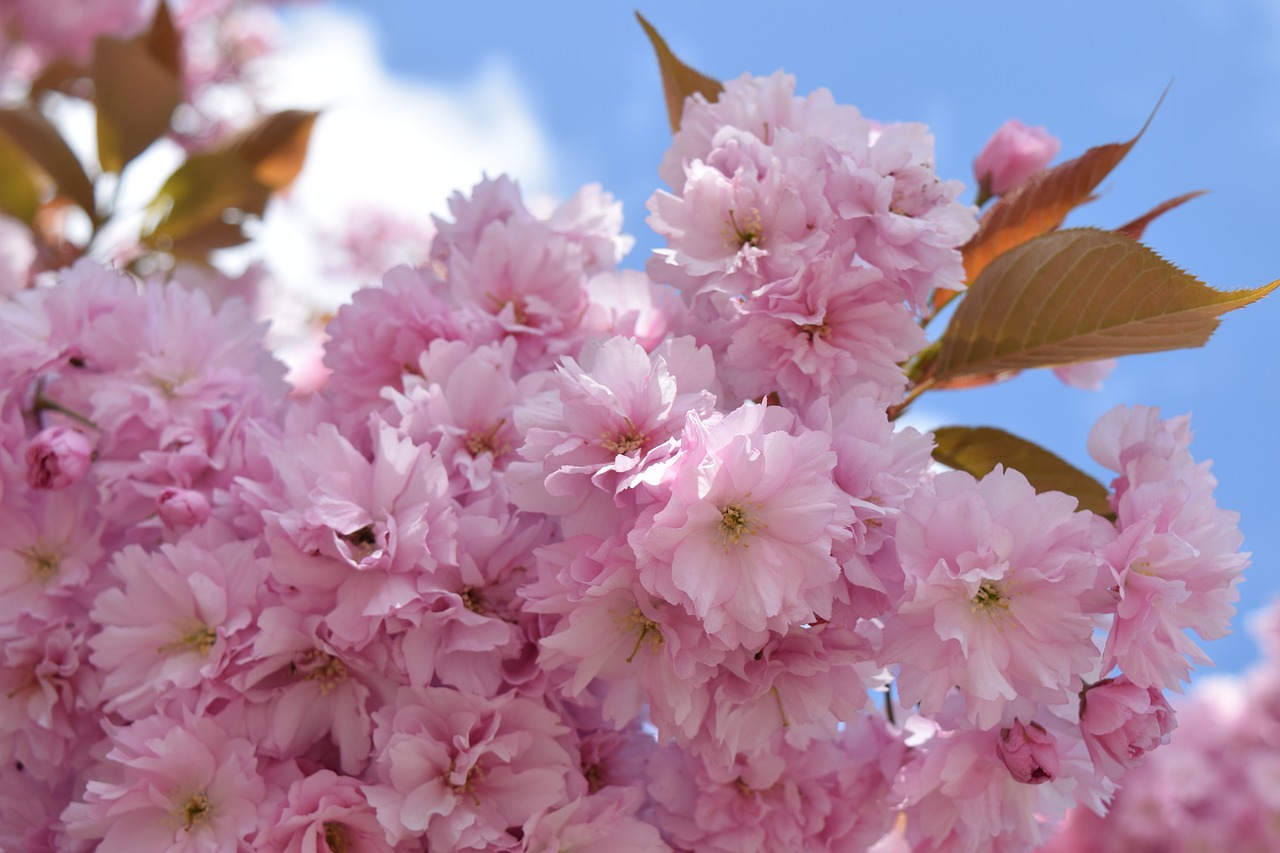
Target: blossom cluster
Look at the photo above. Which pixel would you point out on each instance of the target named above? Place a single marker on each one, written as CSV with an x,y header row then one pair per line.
x,y
565,556
1214,787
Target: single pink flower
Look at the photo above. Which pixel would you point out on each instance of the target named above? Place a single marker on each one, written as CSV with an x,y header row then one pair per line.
x,y
1014,153
1121,722
1029,751
57,457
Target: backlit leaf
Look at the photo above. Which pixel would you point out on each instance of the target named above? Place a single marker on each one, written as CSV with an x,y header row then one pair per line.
x,y
979,449
1079,295
277,146
679,81
19,193
189,212
39,139
1138,227
136,88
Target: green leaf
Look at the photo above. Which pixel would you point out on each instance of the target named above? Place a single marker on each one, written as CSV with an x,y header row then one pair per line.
x,y
19,193
136,87
40,141
198,193
979,449
1079,295
679,81
190,211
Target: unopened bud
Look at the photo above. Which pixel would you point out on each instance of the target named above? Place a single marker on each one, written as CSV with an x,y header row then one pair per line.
x,y
57,457
1030,753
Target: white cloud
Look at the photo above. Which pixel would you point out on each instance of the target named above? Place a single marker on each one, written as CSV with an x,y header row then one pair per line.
x,y
383,142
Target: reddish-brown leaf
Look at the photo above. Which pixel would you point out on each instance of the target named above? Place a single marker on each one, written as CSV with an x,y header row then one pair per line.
x,y
276,147
1079,295
1138,227
978,450
679,81
135,93
1041,203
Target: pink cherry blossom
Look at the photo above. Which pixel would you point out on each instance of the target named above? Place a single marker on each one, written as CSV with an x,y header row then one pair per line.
x,y
1014,153
1121,722
57,457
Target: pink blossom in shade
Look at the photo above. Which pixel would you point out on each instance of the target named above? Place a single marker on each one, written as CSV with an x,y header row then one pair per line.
x,y
464,771
305,695
750,213
325,813
604,417
627,303
187,783
29,813
51,546
1122,722
182,508
1029,751
827,330
175,622
528,282
466,412
1176,561
48,697
1014,153
995,574
358,537
181,362
377,338
57,457
802,685
832,796
611,630
600,823
742,537
1086,375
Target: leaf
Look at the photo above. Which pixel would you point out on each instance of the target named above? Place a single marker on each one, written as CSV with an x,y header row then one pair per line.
x,y
199,191
679,81
277,146
1138,227
164,42
1040,204
1079,295
979,449
238,174
19,194
136,87
40,141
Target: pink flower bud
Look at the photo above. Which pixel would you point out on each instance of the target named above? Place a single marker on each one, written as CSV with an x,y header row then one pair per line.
x,y
57,457
1030,752
1121,722
182,507
1014,153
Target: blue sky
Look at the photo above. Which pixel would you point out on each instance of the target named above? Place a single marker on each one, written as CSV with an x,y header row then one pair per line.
x,y
1088,71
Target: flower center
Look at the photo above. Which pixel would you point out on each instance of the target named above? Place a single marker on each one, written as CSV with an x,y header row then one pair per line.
x,y
363,542
626,440
486,441
337,837
737,521
194,637
746,232
518,310
321,667
467,785
44,564
990,599
196,811
817,330
646,627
